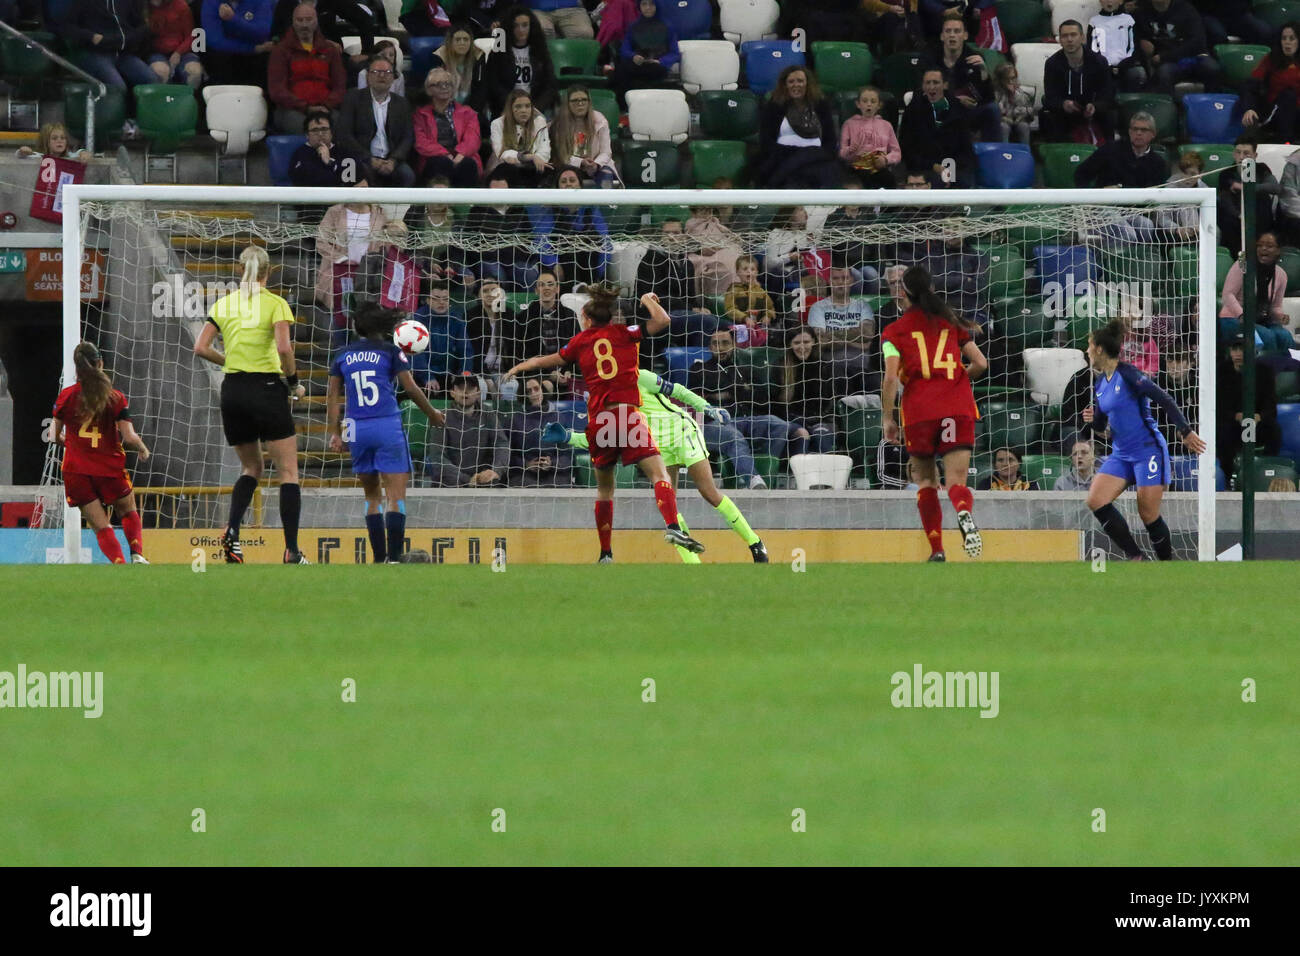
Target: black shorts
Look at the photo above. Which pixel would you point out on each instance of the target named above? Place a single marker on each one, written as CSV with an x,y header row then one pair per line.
x,y
255,407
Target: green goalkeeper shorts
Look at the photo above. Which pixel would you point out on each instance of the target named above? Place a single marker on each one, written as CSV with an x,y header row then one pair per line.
x,y
680,440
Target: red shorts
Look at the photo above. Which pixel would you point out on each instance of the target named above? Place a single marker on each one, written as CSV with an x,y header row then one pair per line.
x,y
619,433
83,489
939,436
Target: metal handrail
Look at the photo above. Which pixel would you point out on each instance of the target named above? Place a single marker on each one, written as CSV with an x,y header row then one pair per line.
x,y
91,95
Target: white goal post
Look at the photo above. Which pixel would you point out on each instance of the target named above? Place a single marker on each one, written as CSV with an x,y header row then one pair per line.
x,y
1200,203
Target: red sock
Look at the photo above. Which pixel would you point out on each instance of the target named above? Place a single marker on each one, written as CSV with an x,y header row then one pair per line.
x,y
961,498
604,523
134,529
927,502
666,500
108,544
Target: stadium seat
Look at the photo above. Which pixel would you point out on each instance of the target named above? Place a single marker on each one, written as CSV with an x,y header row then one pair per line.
x,y
1185,270
1215,156
900,73
680,361
1048,371
821,472
352,44
1211,117
1029,59
1287,383
661,214
1222,263
110,109
1081,10
1064,265
236,118
1022,323
281,149
1045,469
690,19
764,61
422,50
21,59
1024,21
1289,260
709,65
714,158
605,102
730,114
658,115
1018,426
168,115
1278,13
862,432
842,66
575,61
1060,161
1186,468
1288,418
1238,61
1006,273
745,20
1265,470
1005,165
1274,156
1159,105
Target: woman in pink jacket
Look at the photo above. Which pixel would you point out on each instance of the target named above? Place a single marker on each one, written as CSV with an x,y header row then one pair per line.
x,y
868,143
447,134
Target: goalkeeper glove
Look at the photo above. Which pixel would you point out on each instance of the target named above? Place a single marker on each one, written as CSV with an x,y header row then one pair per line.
x,y
719,415
556,434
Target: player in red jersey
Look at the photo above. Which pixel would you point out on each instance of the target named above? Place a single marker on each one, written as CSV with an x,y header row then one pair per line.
x,y
616,431
94,463
923,350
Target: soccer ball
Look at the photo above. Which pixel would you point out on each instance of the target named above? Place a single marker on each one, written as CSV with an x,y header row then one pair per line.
x,y
411,337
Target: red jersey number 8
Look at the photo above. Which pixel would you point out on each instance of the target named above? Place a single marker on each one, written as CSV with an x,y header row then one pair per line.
x,y
606,364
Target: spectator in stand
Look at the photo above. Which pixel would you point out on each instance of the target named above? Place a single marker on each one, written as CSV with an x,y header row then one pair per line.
x,y
1132,164
580,139
748,306
390,51
1006,474
824,19
574,266
1271,320
617,16
441,259
1288,202
668,272
171,28
239,41
348,234
894,26
868,143
448,353
1078,397
1078,97
1083,465
796,135
786,245
513,263
564,18
935,133
845,328
1171,43
532,464
855,255
648,54
895,307
378,125
1225,18
493,335
1228,407
1269,99
1177,378
471,450
525,64
521,142
320,161
966,76
810,392
1184,222
108,38
306,71
1139,347
337,19
1229,207
715,255
544,326
53,140
447,133
1015,103
465,62
1110,36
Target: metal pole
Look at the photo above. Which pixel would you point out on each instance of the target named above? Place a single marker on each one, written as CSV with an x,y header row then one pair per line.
x,y
1207,323
1246,479
71,336
90,122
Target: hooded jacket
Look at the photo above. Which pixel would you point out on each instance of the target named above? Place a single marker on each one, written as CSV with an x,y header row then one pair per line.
x,y
1178,33
1090,83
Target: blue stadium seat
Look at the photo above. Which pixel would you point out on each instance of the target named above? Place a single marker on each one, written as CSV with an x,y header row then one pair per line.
x,y
1184,474
1005,165
691,19
1212,117
1288,417
1061,263
680,361
572,418
422,50
764,61
281,151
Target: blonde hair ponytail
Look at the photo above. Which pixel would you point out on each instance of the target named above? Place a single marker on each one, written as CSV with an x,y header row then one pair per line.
x,y
256,264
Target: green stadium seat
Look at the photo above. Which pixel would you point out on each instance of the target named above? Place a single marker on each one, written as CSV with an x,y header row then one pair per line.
x,y
575,61
899,73
651,164
842,66
417,430
1216,157
1024,21
1018,426
622,219
862,433
714,158
605,102
1287,385
981,466
1290,262
1006,272
749,218
23,60
168,114
1060,161
1044,469
728,114
517,300
661,214
1265,470
1133,263
1184,262
992,60
1023,323
584,476
110,109
1238,61
1159,105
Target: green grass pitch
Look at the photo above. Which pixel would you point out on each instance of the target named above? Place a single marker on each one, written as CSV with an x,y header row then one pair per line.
x,y
523,691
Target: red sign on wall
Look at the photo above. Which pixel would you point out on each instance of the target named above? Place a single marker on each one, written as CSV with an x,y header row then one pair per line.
x,y
45,275
54,174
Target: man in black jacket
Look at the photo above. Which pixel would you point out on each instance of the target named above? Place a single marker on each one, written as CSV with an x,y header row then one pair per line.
x,y
1077,89
666,271
1171,41
320,161
377,124
966,75
108,38
1133,165
936,133
1228,407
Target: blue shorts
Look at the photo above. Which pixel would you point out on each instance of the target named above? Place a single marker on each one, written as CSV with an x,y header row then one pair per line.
x,y
1149,466
379,445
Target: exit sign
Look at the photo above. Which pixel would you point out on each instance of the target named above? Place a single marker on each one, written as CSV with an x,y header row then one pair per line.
x,y
13,260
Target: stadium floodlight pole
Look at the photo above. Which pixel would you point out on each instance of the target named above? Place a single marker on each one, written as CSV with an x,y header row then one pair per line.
x,y
1249,304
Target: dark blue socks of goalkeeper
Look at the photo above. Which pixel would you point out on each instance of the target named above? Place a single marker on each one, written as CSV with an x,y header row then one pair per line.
x,y
1116,528
395,525
1161,542
375,528
290,512
240,498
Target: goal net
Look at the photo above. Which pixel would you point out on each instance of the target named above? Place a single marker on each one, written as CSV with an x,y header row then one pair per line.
x,y
777,302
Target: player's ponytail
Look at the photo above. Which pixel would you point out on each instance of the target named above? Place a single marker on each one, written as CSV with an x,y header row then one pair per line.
x,y
919,286
256,266
602,306
1110,337
96,386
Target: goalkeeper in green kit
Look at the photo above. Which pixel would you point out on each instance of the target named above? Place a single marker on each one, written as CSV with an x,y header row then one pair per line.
x,y
681,443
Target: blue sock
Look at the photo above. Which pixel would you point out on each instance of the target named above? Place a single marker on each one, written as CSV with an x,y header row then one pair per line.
x,y
395,522
375,526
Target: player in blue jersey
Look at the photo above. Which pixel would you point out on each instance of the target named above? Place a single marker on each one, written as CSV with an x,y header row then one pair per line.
x,y
368,372
1139,454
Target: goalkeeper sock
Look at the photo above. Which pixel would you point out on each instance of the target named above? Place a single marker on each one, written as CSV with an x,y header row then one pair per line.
x,y
1116,528
108,544
961,498
290,512
688,557
1161,543
375,528
666,501
240,498
735,520
395,524
134,528
604,523
927,502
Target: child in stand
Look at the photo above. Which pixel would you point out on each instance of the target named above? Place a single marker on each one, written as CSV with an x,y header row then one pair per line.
x,y
868,143
748,306
1016,104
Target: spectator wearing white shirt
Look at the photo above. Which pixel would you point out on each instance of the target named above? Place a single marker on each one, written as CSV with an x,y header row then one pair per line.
x,y
845,327
376,123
